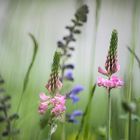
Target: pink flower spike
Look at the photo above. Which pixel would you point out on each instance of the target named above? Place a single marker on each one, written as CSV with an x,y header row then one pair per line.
x,y
43,96
100,70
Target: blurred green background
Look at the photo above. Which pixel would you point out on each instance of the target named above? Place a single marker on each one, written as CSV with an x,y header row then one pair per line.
x,y
46,20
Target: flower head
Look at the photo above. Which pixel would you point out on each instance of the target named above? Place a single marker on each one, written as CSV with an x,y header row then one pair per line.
x,y
56,104
111,66
54,83
113,82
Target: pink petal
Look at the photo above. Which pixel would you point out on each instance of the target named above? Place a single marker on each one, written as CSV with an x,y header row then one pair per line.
x,y
43,96
100,70
59,84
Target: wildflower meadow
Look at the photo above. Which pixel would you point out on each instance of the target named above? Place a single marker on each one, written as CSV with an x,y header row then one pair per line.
x,y
69,70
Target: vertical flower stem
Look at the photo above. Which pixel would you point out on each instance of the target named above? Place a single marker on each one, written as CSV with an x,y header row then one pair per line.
x,y
50,134
109,115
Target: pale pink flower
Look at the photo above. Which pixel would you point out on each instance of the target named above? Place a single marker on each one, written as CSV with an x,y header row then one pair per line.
x,y
59,104
44,101
58,109
55,104
113,82
43,107
100,70
43,97
59,84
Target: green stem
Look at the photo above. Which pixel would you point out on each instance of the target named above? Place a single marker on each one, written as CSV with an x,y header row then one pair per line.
x,y
49,134
109,115
63,136
129,130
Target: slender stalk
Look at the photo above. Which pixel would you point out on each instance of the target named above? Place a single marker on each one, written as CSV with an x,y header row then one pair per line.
x,y
63,136
109,115
49,135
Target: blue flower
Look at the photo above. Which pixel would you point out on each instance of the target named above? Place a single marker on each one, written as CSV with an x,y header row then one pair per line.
x,y
73,93
71,118
69,75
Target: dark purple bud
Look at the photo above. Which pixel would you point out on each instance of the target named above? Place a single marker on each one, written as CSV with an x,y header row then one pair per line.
x,y
2,119
60,44
14,116
68,66
70,28
68,55
71,48
69,75
77,31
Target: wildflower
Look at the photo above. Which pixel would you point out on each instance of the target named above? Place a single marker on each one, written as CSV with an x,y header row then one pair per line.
x,y
113,82
44,101
71,118
73,93
56,104
111,67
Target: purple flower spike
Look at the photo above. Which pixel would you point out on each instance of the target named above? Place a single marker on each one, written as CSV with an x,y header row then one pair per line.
x,y
76,113
69,75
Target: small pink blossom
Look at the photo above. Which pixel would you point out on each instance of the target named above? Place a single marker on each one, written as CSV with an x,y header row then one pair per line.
x,y
56,104
48,86
43,97
59,104
59,84
58,109
43,107
100,70
116,68
113,82
44,100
